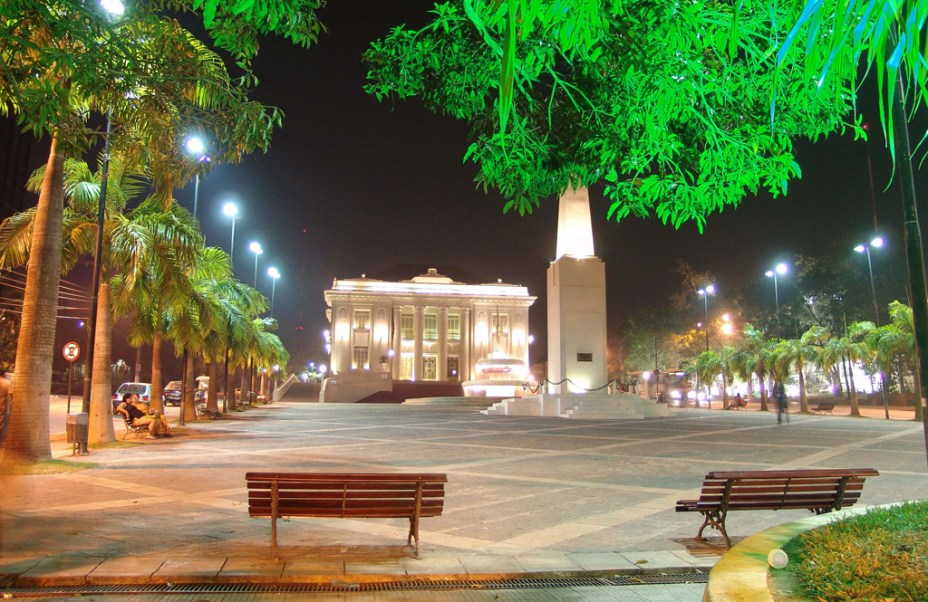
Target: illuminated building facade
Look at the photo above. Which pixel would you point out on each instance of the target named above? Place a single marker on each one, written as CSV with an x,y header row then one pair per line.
x,y
429,328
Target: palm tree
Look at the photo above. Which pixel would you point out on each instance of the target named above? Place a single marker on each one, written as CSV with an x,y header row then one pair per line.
x,y
82,189
708,365
901,317
797,353
758,355
154,80
840,350
163,282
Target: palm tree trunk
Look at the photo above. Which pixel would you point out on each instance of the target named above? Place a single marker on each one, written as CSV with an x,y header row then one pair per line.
x,y
101,393
138,368
763,393
156,387
227,391
27,435
243,391
849,372
212,397
190,409
803,402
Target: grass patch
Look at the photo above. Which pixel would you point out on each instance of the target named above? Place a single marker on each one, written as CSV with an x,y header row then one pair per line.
x,y
880,555
47,467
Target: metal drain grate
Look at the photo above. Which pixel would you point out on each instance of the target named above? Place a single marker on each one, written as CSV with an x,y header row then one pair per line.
x,y
347,586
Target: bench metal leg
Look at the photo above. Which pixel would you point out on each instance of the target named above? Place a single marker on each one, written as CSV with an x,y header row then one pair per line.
x,y
274,502
716,520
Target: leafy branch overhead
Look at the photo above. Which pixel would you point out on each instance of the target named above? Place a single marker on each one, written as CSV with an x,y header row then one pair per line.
x,y
668,104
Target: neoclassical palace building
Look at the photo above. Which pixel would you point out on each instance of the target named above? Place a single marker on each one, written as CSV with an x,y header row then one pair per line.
x,y
429,328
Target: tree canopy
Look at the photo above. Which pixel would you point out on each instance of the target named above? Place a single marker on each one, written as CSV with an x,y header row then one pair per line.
x,y
657,100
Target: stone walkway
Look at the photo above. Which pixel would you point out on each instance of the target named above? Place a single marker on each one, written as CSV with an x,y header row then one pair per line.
x,y
525,497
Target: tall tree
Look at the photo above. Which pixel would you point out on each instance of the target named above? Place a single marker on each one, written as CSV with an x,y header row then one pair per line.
x,y
63,59
671,115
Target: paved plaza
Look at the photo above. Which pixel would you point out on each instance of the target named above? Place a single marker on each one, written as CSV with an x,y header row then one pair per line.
x,y
525,496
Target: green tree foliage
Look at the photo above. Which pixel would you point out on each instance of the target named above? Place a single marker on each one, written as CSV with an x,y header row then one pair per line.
x,y
656,100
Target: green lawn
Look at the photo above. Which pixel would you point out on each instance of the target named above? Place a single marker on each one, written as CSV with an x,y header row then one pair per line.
x,y
880,555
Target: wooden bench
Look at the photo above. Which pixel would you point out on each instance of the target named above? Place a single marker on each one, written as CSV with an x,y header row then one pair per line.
x,y
341,495
817,490
824,407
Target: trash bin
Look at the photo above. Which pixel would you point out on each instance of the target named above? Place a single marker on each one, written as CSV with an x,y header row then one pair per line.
x,y
76,428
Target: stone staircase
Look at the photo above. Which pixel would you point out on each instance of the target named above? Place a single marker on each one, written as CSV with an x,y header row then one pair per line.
x,y
621,406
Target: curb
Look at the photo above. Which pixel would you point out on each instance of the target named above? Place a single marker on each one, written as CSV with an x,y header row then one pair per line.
x,y
741,574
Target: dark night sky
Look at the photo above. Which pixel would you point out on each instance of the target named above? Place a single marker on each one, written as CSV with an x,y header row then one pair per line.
x,y
354,186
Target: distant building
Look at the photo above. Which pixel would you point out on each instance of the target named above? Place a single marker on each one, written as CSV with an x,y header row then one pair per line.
x,y
429,328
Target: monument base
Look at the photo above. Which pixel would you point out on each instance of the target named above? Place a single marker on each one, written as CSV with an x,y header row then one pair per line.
x,y
621,406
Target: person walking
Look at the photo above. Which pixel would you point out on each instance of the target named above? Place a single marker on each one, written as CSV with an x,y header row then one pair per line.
x,y
779,394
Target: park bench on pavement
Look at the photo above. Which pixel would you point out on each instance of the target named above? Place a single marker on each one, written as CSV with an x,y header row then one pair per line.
x,y
824,407
346,495
817,490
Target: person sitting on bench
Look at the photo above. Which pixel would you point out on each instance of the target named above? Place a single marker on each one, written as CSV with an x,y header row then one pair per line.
x,y
738,402
140,417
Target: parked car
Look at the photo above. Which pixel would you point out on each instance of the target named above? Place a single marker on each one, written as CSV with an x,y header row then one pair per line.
x,y
143,389
172,393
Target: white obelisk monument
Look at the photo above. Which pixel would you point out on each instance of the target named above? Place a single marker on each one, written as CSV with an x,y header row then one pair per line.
x,y
576,301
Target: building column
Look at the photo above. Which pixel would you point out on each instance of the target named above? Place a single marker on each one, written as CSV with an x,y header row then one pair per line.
x,y
464,360
397,342
443,343
417,356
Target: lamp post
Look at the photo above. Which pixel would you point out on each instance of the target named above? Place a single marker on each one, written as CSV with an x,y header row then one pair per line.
x,y
704,293
865,248
196,147
231,210
274,274
114,8
255,247
780,269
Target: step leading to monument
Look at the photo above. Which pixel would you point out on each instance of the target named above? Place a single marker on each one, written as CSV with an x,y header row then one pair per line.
x,y
622,406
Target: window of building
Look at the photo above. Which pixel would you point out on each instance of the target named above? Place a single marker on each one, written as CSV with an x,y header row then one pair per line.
x,y
359,360
362,320
453,373
407,329
430,327
429,367
454,327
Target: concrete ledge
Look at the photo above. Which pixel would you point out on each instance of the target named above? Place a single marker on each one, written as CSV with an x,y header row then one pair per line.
x,y
741,574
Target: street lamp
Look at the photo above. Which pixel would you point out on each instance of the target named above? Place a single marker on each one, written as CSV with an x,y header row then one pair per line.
x,y
114,8
230,209
196,147
780,269
864,248
704,293
274,274
255,247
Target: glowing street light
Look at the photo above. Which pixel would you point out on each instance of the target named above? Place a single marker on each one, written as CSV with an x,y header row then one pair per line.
x,y
780,269
863,248
274,274
704,293
113,7
196,147
230,210
255,247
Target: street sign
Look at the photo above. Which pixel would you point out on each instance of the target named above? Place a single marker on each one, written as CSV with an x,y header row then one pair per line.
x,y
71,351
